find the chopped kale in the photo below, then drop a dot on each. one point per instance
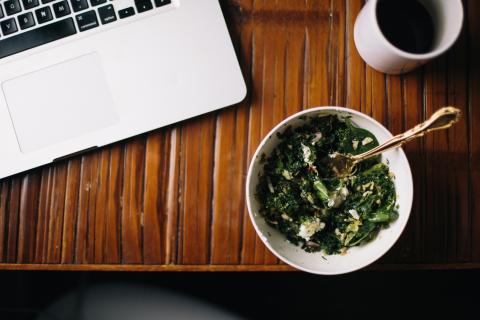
(304, 200)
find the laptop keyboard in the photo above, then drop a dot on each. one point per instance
(26, 24)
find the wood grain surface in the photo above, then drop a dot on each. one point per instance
(173, 199)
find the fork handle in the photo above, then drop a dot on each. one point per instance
(442, 119)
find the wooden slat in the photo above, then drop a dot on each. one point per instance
(43, 216)
(84, 242)
(198, 150)
(250, 240)
(412, 98)
(318, 54)
(473, 114)
(354, 65)
(228, 207)
(155, 196)
(294, 56)
(71, 211)
(101, 207)
(173, 199)
(230, 169)
(13, 218)
(27, 212)
(458, 157)
(114, 208)
(437, 147)
(376, 104)
(3, 217)
(131, 200)
(56, 210)
(336, 57)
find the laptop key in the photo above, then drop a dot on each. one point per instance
(46, 1)
(97, 2)
(8, 26)
(87, 20)
(26, 20)
(29, 4)
(12, 7)
(127, 12)
(36, 37)
(1, 12)
(43, 14)
(159, 3)
(143, 5)
(79, 5)
(61, 9)
(107, 14)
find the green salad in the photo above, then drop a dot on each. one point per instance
(302, 198)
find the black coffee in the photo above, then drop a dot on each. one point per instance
(406, 24)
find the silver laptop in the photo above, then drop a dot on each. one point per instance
(80, 74)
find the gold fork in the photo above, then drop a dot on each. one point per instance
(343, 164)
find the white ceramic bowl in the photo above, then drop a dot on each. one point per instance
(356, 257)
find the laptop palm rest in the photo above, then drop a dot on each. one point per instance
(71, 99)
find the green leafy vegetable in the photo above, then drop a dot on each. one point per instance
(303, 199)
(322, 191)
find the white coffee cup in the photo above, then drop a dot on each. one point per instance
(380, 54)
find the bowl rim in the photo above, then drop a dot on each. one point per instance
(259, 149)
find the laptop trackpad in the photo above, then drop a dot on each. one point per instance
(59, 103)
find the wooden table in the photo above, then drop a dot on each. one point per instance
(173, 199)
